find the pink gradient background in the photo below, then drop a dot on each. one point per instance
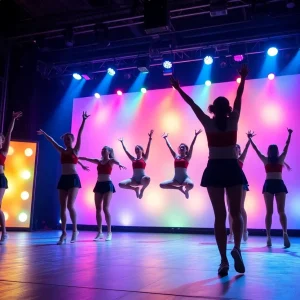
(269, 107)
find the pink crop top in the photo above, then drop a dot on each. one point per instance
(272, 168)
(104, 169)
(181, 163)
(68, 158)
(139, 164)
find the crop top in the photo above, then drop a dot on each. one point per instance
(104, 168)
(272, 168)
(181, 163)
(68, 158)
(139, 164)
(2, 159)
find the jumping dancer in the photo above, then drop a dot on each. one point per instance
(181, 180)
(138, 164)
(223, 171)
(69, 182)
(241, 158)
(4, 147)
(274, 185)
(104, 188)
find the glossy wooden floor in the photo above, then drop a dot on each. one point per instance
(143, 266)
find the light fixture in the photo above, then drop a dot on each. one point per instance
(271, 76)
(238, 58)
(272, 51)
(143, 90)
(97, 95)
(208, 83)
(111, 71)
(119, 93)
(208, 60)
(77, 76)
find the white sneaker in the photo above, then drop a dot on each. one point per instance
(74, 236)
(99, 236)
(230, 239)
(109, 237)
(245, 236)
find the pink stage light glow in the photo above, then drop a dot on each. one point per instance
(268, 109)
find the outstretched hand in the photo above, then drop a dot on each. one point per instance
(17, 114)
(150, 133)
(122, 167)
(121, 140)
(244, 71)
(288, 167)
(290, 130)
(250, 134)
(85, 168)
(40, 132)
(165, 135)
(85, 115)
(197, 132)
(174, 82)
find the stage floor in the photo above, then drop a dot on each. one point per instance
(143, 266)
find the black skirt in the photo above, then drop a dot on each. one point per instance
(223, 173)
(3, 182)
(103, 187)
(67, 182)
(274, 186)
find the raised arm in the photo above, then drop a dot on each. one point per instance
(189, 155)
(115, 162)
(78, 141)
(238, 99)
(148, 145)
(286, 147)
(131, 157)
(51, 140)
(91, 160)
(196, 109)
(15, 116)
(262, 157)
(165, 136)
(244, 153)
(85, 168)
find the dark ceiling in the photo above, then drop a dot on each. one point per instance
(114, 29)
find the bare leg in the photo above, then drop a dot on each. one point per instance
(98, 204)
(188, 184)
(172, 185)
(2, 217)
(280, 200)
(63, 200)
(244, 213)
(106, 201)
(129, 184)
(229, 217)
(145, 181)
(234, 195)
(268, 220)
(72, 194)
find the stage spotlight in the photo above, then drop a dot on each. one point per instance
(167, 64)
(238, 80)
(208, 83)
(272, 51)
(25, 175)
(271, 76)
(238, 58)
(77, 76)
(5, 215)
(24, 195)
(97, 95)
(111, 71)
(208, 60)
(28, 152)
(167, 67)
(119, 93)
(10, 151)
(143, 90)
(23, 217)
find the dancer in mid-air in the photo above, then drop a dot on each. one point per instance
(69, 182)
(139, 177)
(241, 158)
(223, 172)
(4, 147)
(181, 180)
(274, 185)
(104, 188)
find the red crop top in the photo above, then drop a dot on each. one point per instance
(139, 164)
(68, 158)
(221, 139)
(2, 159)
(272, 168)
(240, 163)
(104, 169)
(181, 163)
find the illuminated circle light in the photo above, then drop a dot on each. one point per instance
(25, 174)
(272, 51)
(23, 217)
(10, 151)
(5, 215)
(238, 58)
(24, 195)
(271, 76)
(208, 60)
(208, 83)
(143, 90)
(119, 93)
(238, 80)
(28, 152)
(111, 71)
(97, 95)
(167, 64)
(77, 76)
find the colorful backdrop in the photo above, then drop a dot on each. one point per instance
(269, 107)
